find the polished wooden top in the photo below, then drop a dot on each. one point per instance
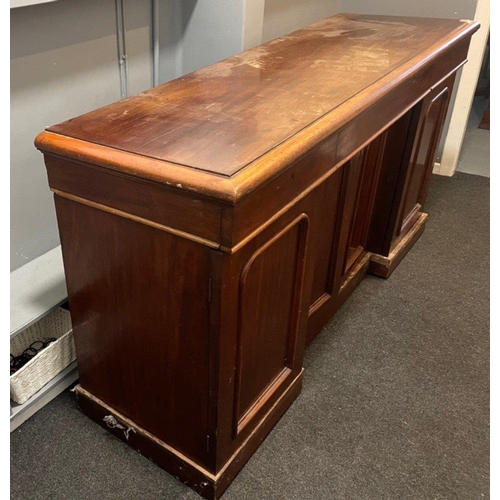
(222, 118)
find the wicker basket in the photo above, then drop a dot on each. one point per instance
(50, 361)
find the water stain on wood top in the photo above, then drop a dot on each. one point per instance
(222, 117)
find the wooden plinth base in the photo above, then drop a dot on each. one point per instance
(210, 486)
(384, 266)
(355, 277)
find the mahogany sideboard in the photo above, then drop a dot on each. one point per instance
(211, 226)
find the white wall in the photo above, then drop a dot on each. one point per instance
(212, 31)
(283, 16)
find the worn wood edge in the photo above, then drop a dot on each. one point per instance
(411, 218)
(354, 278)
(248, 416)
(80, 391)
(380, 265)
(236, 461)
(232, 189)
(358, 270)
(383, 266)
(178, 177)
(136, 218)
(289, 389)
(318, 303)
(445, 77)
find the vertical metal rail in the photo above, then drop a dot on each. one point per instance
(155, 40)
(122, 50)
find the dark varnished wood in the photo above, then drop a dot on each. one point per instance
(432, 118)
(206, 484)
(252, 321)
(342, 222)
(368, 175)
(485, 120)
(402, 190)
(270, 291)
(194, 216)
(393, 171)
(383, 266)
(213, 225)
(325, 216)
(139, 299)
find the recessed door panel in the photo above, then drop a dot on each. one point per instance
(270, 290)
(324, 221)
(423, 155)
(363, 179)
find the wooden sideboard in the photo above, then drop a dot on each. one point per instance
(211, 226)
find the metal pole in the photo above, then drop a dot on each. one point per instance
(155, 37)
(122, 51)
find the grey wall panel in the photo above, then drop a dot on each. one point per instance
(63, 63)
(138, 39)
(451, 9)
(212, 30)
(283, 16)
(253, 23)
(196, 33)
(171, 30)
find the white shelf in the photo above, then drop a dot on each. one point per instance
(36, 289)
(21, 413)
(24, 3)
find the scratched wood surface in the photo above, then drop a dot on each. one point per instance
(223, 117)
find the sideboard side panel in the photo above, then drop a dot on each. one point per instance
(139, 306)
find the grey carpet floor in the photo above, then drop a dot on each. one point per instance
(395, 403)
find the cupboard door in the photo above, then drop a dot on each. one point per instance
(350, 246)
(362, 174)
(324, 230)
(270, 292)
(393, 166)
(432, 119)
(325, 224)
(340, 222)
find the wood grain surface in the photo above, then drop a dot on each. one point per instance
(223, 117)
